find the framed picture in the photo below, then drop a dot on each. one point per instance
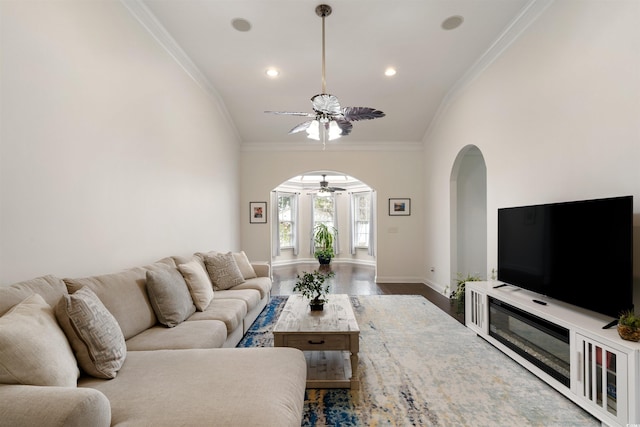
(258, 212)
(399, 207)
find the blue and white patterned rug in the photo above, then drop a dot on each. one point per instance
(420, 367)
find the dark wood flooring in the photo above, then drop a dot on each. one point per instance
(353, 279)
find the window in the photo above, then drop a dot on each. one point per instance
(286, 219)
(323, 209)
(361, 219)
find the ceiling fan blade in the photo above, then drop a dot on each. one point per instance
(345, 126)
(361, 113)
(301, 127)
(333, 189)
(326, 104)
(288, 113)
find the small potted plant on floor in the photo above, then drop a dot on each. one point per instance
(457, 296)
(629, 326)
(323, 236)
(312, 286)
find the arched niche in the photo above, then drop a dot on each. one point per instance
(468, 198)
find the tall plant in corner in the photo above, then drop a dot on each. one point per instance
(323, 237)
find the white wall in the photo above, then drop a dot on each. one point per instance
(556, 118)
(391, 173)
(110, 155)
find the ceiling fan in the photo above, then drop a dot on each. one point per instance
(329, 119)
(325, 188)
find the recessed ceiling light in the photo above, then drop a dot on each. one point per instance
(241, 24)
(452, 22)
(272, 72)
(390, 72)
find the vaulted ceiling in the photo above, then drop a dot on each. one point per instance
(363, 39)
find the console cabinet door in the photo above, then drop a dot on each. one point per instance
(602, 378)
(476, 315)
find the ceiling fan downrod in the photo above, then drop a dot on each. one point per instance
(323, 10)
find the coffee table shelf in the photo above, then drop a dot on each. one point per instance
(329, 338)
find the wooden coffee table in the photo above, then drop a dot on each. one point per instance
(329, 338)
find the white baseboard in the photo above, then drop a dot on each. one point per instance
(313, 260)
(436, 287)
(398, 279)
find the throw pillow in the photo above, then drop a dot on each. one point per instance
(33, 348)
(94, 333)
(169, 296)
(244, 265)
(223, 270)
(199, 284)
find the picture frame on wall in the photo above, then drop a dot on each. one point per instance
(400, 207)
(258, 212)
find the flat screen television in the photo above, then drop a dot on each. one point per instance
(577, 252)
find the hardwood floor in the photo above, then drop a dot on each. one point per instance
(353, 279)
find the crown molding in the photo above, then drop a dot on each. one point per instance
(527, 16)
(148, 20)
(341, 145)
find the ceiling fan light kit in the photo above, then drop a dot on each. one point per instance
(329, 121)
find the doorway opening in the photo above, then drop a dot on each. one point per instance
(343, 202)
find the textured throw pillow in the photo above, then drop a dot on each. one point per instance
(198, 282)
(94, 333)
(223, 270)
(33, 348)
(244, 265)
(169, 296)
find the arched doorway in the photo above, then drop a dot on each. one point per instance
(468, 198)
(304, 189)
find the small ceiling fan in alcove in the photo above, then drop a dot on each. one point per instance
(329, 120)
(325, 187)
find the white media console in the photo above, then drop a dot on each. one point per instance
(563, 345)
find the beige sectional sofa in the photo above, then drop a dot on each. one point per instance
(145, 347)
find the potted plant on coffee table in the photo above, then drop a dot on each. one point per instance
(312, 286)
(323, 236)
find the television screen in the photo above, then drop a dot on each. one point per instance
(578, 252)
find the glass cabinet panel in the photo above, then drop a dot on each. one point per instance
(602, 377)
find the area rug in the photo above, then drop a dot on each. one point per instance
(420, 367)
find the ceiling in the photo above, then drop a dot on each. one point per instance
(363, 38)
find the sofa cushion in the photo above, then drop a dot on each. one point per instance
(251, 297)
(94, 333)
(49, 287)
(261, 284)
(244, 265)
(198, 282)
(229, 311)
(125, 295)
(33, 348)
(222, 387)
(223, 270)
(169, 296)
(202, 334)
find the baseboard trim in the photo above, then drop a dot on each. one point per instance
(398, 279)
(436, 287)
(313, 260)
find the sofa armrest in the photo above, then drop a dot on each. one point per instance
(28, 405)
(262, 269)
